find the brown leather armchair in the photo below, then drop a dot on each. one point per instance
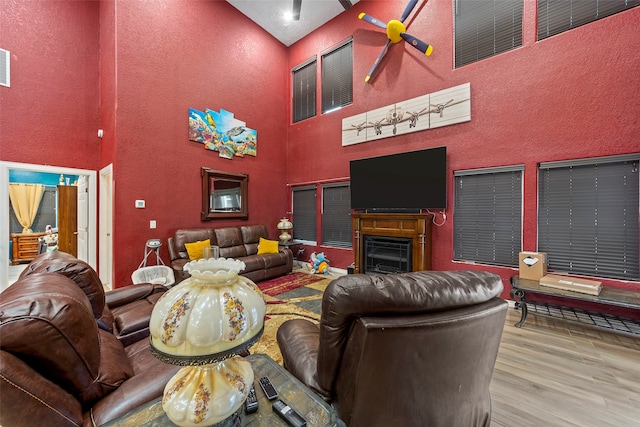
(124, 311)
(58, 368)
(412, 349)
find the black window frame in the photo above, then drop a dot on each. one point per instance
(487, 217)
(304, 87)
(304, 213)
(485, 28)
(337, 225)
(588, 216)
(337, 77)
(558, 16)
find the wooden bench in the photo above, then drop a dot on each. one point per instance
(524, 292)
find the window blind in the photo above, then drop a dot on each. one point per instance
(304, 213)
(487, 223)
(484, 28)
(336, 215)
(557, 16)
(337, 77)
(304, 90)
(588, 216)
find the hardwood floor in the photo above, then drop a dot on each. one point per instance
(553, 373)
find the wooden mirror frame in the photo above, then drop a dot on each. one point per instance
(209, 176)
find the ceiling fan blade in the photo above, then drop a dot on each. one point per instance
(423, 47)
(297, 4)
(372, 20)
(378, 59)
(346, 4)
(408, 9)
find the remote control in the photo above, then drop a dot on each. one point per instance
(251, 404)
(290, 416)
(268, 388)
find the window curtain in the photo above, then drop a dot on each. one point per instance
(25, 199)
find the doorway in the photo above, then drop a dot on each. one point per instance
(106, 227)
(88, 251)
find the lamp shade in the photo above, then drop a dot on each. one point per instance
(208, 317)
(205, 395)
(285, 224)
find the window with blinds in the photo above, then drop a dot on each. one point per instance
(487, 222)
(337, 77)
(304, 90)
(484, 28)
(557, 16)
(304, 213)
(588, 216)
(336, 215)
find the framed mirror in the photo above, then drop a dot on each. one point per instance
(224, 195)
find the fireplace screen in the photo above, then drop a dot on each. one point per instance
(387, 254)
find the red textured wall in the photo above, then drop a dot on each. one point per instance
(175, 56)
(108, 82)
(573, 95)
(49, 115)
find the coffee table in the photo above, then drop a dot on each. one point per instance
(291, 391)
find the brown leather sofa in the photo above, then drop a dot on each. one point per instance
(235, 242)
(59, 368)
(124, 311)
(413, 349)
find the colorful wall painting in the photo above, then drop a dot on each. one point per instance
(442, 108)
(222, 132)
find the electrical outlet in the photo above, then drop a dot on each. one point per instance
(152, 223)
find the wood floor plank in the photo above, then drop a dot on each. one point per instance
(554, 373)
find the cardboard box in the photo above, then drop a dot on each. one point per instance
(584, 286)
(533, 265)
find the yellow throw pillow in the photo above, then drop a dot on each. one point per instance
(267, 246)
(195, 249)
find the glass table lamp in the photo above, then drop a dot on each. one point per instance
(203, 324)
(284, 226)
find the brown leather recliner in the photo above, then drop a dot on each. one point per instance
(124, 311)
(412, 349)
(58, 368)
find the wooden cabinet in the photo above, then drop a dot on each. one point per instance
(25, 246)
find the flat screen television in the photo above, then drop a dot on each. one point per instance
(400, 182)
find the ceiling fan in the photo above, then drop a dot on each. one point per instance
(297, 4)
(396, 31)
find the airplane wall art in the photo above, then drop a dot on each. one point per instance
(442, 108)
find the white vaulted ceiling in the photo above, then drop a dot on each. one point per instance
(269, 14)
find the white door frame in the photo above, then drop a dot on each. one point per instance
(4, 207)
(105, 260)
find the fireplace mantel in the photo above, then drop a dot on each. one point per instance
(414, 226)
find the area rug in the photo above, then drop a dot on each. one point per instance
(294, 296)
(287, 283)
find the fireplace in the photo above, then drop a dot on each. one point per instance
(402, 242)
(387, 254)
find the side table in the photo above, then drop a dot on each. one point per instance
(291, 391)
(296, 247)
